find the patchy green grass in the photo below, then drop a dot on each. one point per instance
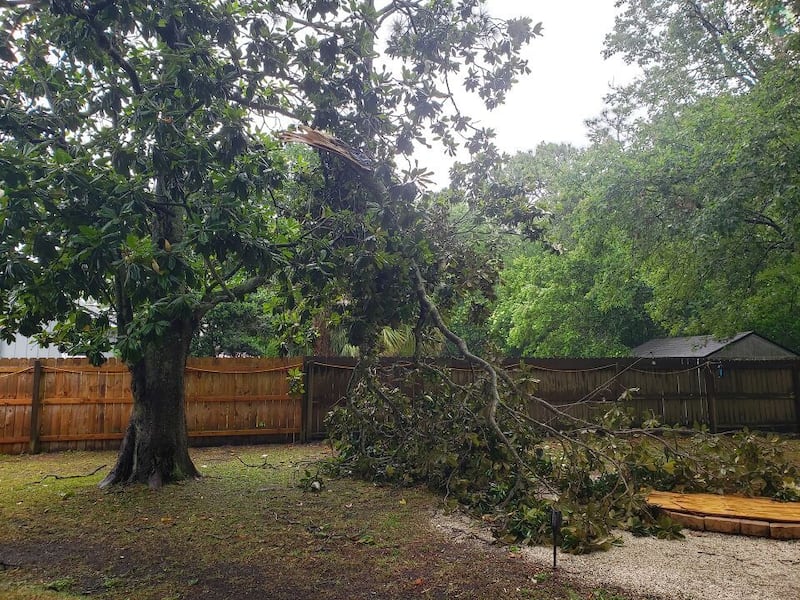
(256, 531)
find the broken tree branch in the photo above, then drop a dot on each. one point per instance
(56, 476)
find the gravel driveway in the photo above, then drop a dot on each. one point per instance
(704, 566)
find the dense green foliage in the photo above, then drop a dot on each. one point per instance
(683, 216)
(577, 295)
(720, 188)
(707, 185)
(138, 172)
(256, 326)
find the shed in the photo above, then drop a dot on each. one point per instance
(743, 346)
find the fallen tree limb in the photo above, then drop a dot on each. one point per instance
(56, 476)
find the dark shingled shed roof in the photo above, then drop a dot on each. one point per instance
(698, 346)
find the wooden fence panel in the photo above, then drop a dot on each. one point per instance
(325, 387)
(674, 396)
(242, 397)
(576, 391)
(756, 394)
(760, 394)
(80, 411)
(16, 383)
(85, 407)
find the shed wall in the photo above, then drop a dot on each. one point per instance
(753, 346)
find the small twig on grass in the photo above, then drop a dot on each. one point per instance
(311, 462)
(55, 476)
(263, 465)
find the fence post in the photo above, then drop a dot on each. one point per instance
(796, 391)
(35, 445)
(308, 400)
(711, 395)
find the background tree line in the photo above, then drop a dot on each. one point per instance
(682, 216)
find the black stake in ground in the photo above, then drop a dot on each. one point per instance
(555, 523)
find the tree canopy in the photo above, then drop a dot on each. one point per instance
(681, 217)
(137, 161)
(142, 171)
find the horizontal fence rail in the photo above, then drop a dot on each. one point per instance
(63, 404)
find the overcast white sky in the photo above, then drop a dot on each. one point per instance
(568, 79)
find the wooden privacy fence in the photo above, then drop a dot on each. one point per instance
(722, 395)
(67, 404)
(59, 404)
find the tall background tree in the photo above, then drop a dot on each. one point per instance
(577, 293)
(140, 171)
(682, 216)
(707, 183)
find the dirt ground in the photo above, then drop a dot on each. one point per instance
(249, 529)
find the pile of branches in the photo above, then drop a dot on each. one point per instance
(428, 424)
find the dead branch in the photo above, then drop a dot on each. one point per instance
(263, 465)
(56, 476)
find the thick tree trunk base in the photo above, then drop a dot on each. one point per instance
(153, 464)
(155, 449)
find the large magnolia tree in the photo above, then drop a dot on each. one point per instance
(143, 182)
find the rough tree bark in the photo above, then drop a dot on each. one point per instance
(155, 447)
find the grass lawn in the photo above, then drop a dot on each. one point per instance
(242, 532)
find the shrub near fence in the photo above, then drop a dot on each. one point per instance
(61, 404)
(67, 404)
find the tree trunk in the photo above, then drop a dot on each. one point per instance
(155, 449)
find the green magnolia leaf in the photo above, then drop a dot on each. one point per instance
(61, 156)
